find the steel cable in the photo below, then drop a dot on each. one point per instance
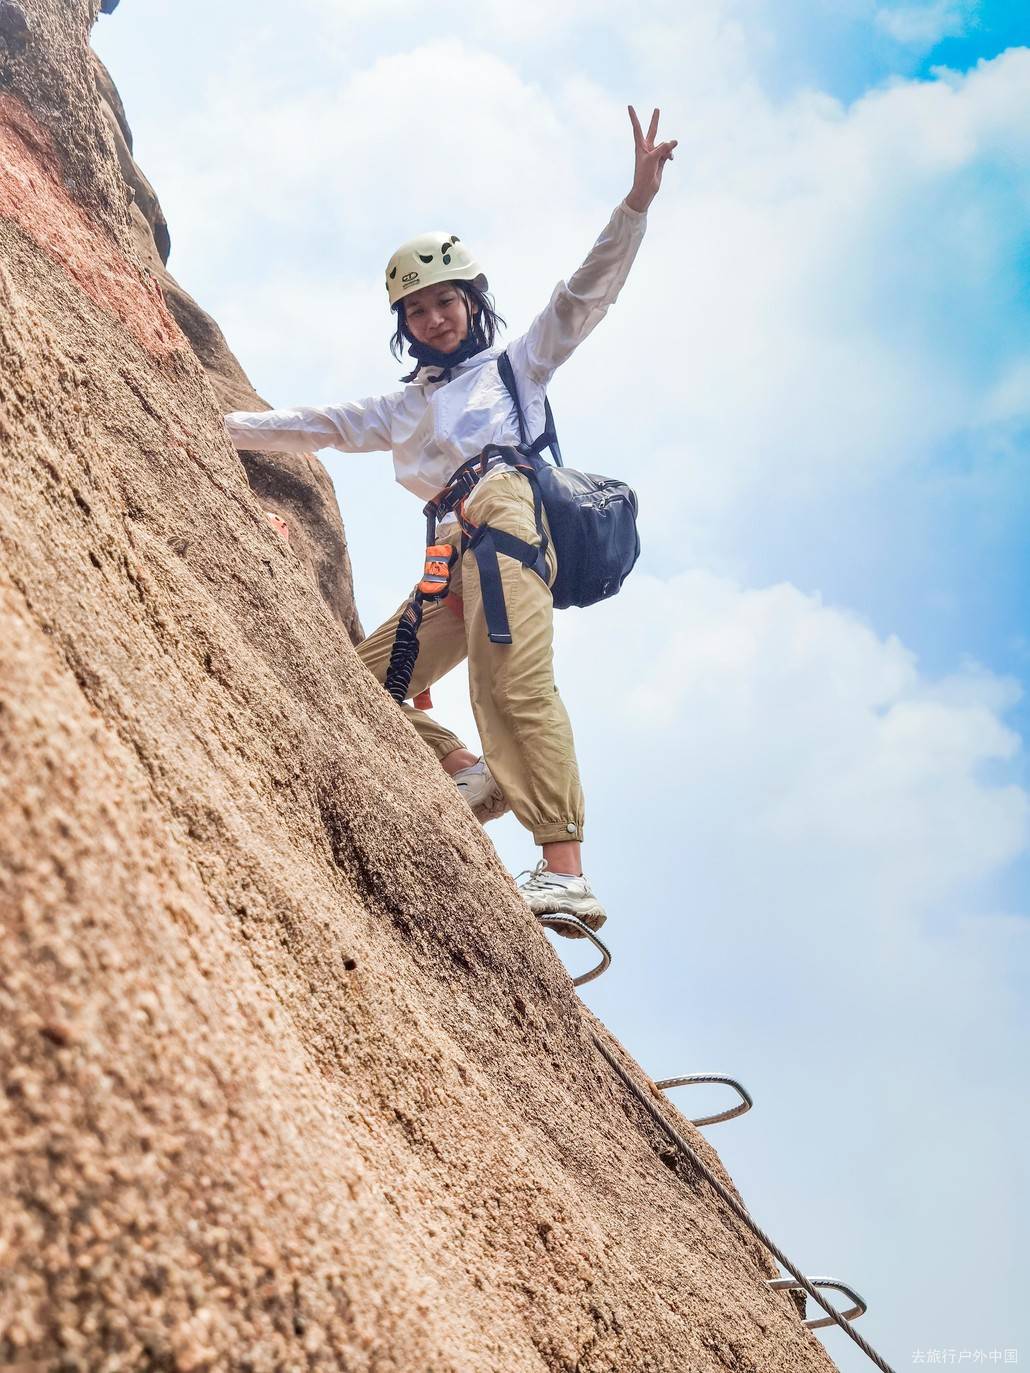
(737, 1209)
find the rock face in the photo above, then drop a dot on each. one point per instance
(291, 1078)
(295, 489)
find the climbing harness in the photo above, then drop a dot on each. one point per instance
(592, 520)
(802, 1283)
(570, 927)
(692, 1079)
(485, 544)
(434, 585)
(789, 1285)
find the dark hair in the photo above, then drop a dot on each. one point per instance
(485, 320)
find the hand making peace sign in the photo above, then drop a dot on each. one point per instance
(651, 159)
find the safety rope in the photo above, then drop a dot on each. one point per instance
(405, 650)
(735, 1206)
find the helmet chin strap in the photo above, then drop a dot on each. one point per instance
(426, 356)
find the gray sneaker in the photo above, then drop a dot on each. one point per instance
(479, 788)
(544, 896)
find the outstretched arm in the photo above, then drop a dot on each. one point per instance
(579, 304)
(353, 427)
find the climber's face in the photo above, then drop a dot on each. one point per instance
(437, 316)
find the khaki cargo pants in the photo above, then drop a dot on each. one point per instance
(523, 725)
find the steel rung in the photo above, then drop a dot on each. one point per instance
(859, 1309)
(691, 1079)
(735, 1205)
(563, 923)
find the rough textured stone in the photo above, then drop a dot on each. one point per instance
(143, 194)
(14, 28)
(291, 1078)
(295, 486)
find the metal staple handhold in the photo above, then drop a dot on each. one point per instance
(859, 1309)
(567, 922)
(744, 1105)
(727, 1197)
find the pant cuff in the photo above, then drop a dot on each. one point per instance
(567, 833)
(443, 747)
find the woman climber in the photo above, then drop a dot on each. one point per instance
(454, 405)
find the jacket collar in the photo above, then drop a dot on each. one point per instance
(470, 364)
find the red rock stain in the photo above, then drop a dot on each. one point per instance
(33, 196)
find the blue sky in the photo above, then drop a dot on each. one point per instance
(849, 46)
(818, 377)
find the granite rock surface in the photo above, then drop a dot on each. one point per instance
(291, 1078)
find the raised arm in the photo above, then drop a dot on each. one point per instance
(579, 304)
(361, 426)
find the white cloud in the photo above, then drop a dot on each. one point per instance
(404, 23)
(830, 732)
(452, 128)
(825, 295)
(925, 25)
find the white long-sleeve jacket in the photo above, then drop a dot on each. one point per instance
(433, 428)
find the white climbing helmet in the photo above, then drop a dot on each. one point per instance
(430, 258)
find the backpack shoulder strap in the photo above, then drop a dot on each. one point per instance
(549, 438)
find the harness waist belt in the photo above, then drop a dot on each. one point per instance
(486, 543)
(460, 486)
